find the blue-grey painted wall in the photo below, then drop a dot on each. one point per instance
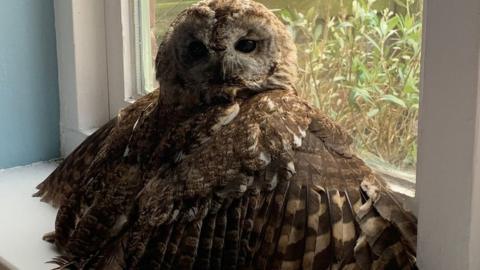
(29, 103)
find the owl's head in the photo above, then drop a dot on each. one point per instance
(222, 49)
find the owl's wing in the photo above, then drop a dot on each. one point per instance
(276, 188)
(338, 213)
(108, 142)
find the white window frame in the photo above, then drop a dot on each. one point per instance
(128, 52)
(97, 65)
(448, 168)
(121, 54)
(97, 78)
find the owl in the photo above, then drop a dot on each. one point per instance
(225, 166)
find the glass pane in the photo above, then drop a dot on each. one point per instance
(359, 63)
(144, 20)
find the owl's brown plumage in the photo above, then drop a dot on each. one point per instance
(225, 167)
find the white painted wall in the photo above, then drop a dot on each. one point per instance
(448, 174)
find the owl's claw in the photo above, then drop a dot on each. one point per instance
(49, 237)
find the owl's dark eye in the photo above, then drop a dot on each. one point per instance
(197, 49)
(246, 45)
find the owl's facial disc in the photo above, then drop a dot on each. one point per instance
(220, 48)
(225, 57)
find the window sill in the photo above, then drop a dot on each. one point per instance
(24, 219)
(402, 183)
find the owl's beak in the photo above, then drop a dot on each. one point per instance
(221, 74)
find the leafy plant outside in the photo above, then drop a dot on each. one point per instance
(362, 68)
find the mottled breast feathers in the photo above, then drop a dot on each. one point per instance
(263, 183)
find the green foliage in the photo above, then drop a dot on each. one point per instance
(362, 67)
